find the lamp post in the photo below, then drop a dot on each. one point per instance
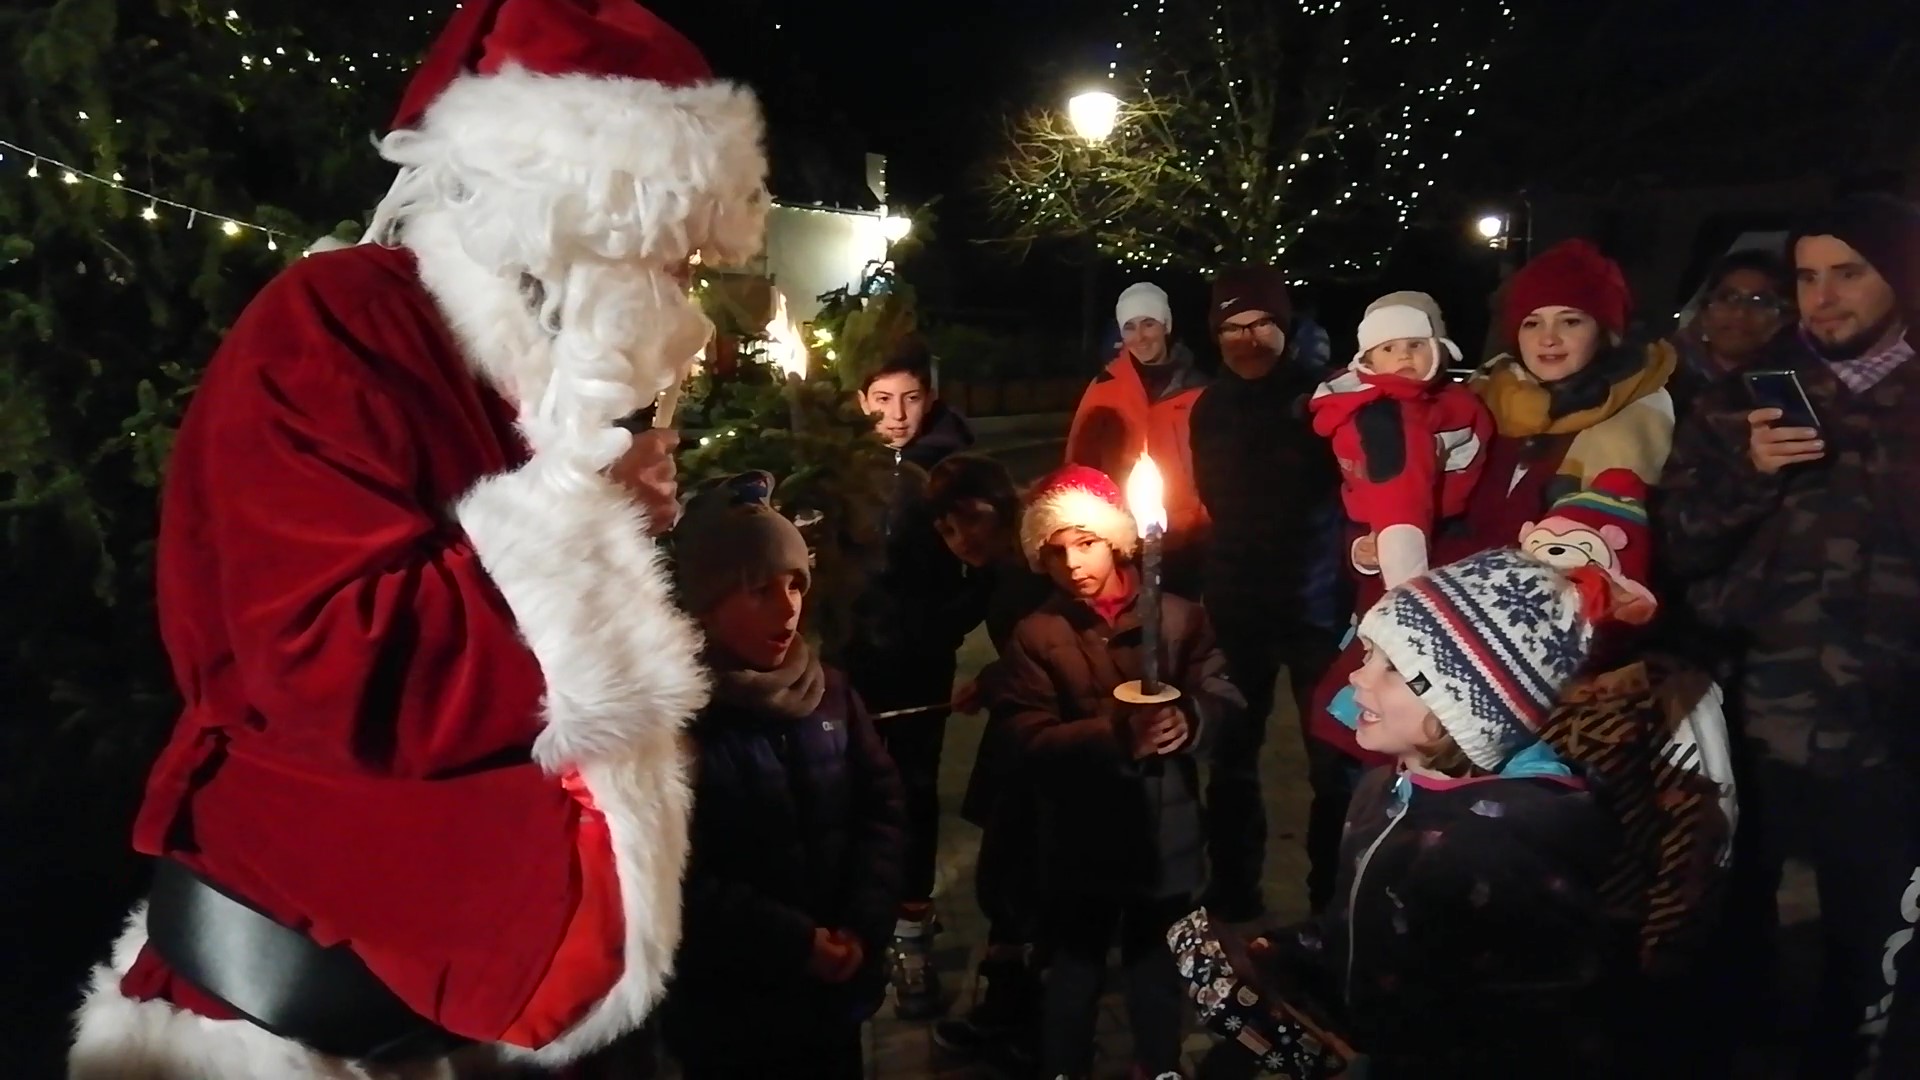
(1094, 114)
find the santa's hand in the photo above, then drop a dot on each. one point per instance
(647, 472)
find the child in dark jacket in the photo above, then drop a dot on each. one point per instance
(794, 872)
(976, 512)
(1122, 847)
(1467, 937)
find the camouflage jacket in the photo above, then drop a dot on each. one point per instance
(1816, 569)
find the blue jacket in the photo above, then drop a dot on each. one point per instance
(797, 825)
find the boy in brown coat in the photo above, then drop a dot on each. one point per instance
(1121, 835)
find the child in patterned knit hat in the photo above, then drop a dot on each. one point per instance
(1467, 935)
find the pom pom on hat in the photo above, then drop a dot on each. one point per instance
(1570, 274)
(1603, 525)
(1076, 497)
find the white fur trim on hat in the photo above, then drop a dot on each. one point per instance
(1075, 508)
(1143, 299)
(692, 157)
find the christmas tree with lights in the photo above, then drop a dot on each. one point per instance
(786, 403)
(1303, 134)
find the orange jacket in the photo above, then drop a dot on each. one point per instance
(1115, 422)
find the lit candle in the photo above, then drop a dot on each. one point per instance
(1146, 498)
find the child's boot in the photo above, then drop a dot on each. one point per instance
(916, 985)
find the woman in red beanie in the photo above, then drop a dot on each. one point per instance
(1571, 401)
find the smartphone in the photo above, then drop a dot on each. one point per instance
(1782, 390)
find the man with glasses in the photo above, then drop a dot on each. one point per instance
(1267, 481)
(1747, 307)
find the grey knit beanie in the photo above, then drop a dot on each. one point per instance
(731, 537)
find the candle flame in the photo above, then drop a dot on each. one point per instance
(785, 345)
(1146, 495)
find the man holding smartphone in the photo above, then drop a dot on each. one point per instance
(1792, 511)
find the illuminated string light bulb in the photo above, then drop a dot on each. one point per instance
(230, 228)
(151, 213)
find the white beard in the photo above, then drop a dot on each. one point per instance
(598, 341)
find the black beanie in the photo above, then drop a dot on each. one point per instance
(1884, 229)
(1249, 288)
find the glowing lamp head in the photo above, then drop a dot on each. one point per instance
(1147, 496)
(1491, 227)
(895, 227)
(1093, 115)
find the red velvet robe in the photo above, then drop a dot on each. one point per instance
(374, 608)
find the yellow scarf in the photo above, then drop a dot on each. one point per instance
(1612, 434)
(1520, 404)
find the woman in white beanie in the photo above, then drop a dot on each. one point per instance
(1140, 405)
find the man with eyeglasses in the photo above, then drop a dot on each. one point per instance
(1746, 308)
(1805, 538)
(1268, 482)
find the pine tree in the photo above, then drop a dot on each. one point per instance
(1303, 134)
(836, 477)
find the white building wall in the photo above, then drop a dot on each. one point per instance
(811, 252)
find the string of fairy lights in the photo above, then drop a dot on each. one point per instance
(343, 72)
(1352, 162)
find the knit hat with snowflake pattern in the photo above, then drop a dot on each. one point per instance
(1488, 643)
(1076, 497)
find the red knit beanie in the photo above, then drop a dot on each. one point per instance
(1572, 274)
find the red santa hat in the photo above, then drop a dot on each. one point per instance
(1570, 274)
(1611, 512)
(1076, 497)
(596, 87)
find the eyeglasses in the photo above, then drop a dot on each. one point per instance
(1758, 302)
(1243, 329)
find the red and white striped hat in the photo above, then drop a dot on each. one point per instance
(1076, 497)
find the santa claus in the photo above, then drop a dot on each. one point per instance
(425, 801)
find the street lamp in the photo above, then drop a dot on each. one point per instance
(1493, 229)
(1093, 115)
(895, 227)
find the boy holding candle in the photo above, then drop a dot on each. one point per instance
(1122, 849)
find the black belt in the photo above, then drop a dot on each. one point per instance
(278, 978)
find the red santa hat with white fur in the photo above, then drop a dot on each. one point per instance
(1076, 497)
(596, 87)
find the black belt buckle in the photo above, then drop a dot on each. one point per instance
(322, 997)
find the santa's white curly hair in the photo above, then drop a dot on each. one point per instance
(553, 220)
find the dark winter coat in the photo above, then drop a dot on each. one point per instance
(797, 825)
(1015, 592)
(1112, 826)
(921, 601)
(1817, 568)
(1263, 476)
(1466, 932)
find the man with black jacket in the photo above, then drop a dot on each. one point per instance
(1265, 480)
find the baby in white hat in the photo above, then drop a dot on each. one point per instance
(1411, 443)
